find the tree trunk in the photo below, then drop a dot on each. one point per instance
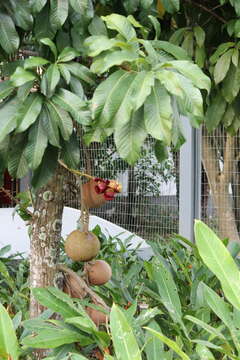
(45, 237)
(219, 181)
(236, 192)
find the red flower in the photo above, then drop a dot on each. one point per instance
(107, 187)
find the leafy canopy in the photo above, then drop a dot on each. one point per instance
(76, 64)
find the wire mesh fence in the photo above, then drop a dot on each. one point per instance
(220, 199)
(148, 203)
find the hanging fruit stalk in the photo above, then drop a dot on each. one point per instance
(96, 192)
(83, 245)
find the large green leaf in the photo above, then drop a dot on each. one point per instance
(167, 291)
(37, 143)
(35, 61)
(221, 309)
(22, 14)
(121, 24)
(200, 35)
(135, 95)
(73, 104)
(177, 37)
(67, 54)
(50, 126)
(71, 152)
(222, 66)
(58, 13)
(8, 339)
(125, 345)
(48, 42)
(81, 72)
(156, 25)
(82, 322)
(191, 71)
(29, 111)
(76, 87)
(77, 357)
(170, 81)
(8, 111)
(42, 25)
(37, 5)
(171, 6)
(215, 112)
(191, 102)
(46, 169)
(178, 138)
(220, 50)
(170, 343)
(158, 114)
(104, 62)
(130, 137)
(6, 87)
(80, 6)
(231, 84)
(97, 134)
(218, 259)
(109, 94)
(52, 338)
(9, 39)
(210, 329)
(204, 352)
(21, 76)
(154, 346)
(178, 52)
(126, 93)
(98, 43)
(160, 151)
(97, 26)
(57, 301)
(24, 90)
(17, 162)
(50, 80)
(62, 118)
(64, 72)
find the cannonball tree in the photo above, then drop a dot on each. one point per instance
(91, 65)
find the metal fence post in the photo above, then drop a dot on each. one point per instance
(190, 180)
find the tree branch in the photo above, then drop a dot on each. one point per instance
(210, 11)
(14, 199)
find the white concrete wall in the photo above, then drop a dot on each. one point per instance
(14, 231)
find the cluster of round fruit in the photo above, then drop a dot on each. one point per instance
(84, 246)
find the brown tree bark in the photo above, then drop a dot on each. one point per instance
(219, 181)
(45, 237)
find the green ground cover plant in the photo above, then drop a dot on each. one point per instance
(182, 303)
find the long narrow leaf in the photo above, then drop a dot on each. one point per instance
(170, 343)
(9, 38)
(216, 256)
(8, 339)
(124, 341)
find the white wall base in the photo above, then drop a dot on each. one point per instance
(14, 231)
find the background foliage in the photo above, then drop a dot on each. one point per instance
(69, 63)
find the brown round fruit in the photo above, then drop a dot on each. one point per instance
(82, 245)
(99, 272)
(97, 316)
